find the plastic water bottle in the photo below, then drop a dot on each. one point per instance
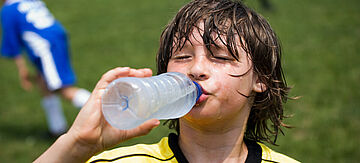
(130, 101)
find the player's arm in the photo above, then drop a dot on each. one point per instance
(11, 43)
(90, 133)
(24, 76)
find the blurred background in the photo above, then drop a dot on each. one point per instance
(321, 57)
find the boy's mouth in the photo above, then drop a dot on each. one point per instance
(202, 97)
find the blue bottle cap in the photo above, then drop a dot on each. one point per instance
(199, 91)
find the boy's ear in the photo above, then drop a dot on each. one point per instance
(259, 86)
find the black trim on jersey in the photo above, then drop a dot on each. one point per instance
(174, 146)
(254, 150)
(269, 161)
(132, 155)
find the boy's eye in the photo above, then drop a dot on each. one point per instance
(181, 57)
(221, 54)
(222, 58)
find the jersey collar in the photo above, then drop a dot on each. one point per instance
(254, 150)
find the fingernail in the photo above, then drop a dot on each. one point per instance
(157, 122)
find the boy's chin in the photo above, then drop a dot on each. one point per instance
(199, 112)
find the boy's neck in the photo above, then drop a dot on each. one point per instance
(217, 145)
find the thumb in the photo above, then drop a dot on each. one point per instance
(144, 128)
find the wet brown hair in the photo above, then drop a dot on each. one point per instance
(234, 20)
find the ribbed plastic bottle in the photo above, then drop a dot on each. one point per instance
(130, 101)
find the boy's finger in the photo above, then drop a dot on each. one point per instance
(111, 75)
(107, 78)
(143, 129)
(138, 73)
(147, 72)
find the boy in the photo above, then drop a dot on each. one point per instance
(29, 24)
(234, 55)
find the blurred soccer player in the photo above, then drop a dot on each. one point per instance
(28, 25)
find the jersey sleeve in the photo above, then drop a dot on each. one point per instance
(11, 37)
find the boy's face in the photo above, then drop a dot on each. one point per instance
(222, 99)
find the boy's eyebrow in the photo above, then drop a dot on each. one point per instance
(182, 46)
(218, 43)
(187, 44)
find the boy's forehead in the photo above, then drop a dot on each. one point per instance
(196, 38)
(197, 33)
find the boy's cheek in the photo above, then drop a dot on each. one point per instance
(216, 85)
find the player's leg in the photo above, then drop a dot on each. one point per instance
(78, 96)
(65, 73)
(51, 104)
(41, 55)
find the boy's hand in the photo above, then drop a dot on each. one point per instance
(24, 75)
(25, 80)
(90, 133)
(90, 127)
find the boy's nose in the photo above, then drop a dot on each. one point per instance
(198, 71)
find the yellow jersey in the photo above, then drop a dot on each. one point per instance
(168, 151)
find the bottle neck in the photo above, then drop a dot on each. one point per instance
(198, 90)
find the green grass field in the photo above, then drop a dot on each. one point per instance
(321, 56)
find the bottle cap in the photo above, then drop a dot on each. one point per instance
(199, 91)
